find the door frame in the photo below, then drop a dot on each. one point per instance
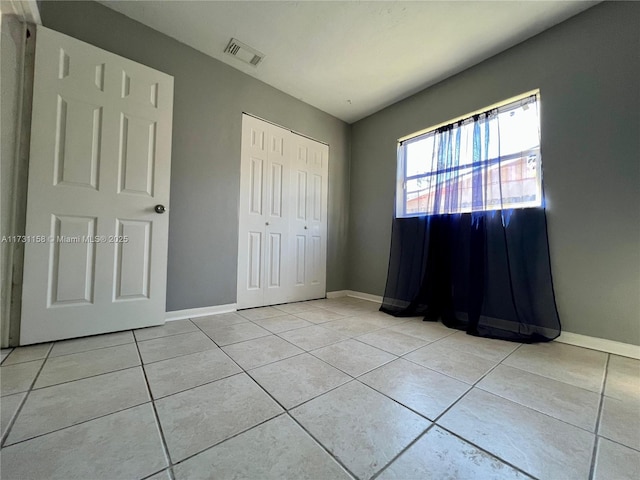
(17, 166)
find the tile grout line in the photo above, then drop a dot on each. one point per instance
(237, 434)
(472, 386)
(594, 452)
(167, 469)
(24, 400)
(434, 424)
(163, 439)
(169, 335)
(307, 351)
(410, 444)
(410, 408)
(84, 421)
(480, 449)
(242, 370)
(11, 349)
(536, 410)
(395, 401)
(142, 362)
(141, 365)
(493, 455)
(246, 372)
(320, 444)
(87, 377)
(76, 424)
(269, 363)
(351, 379)
(96, 348)
(617, 442)
(285, 411)
(550, 378)
(475, 385)
(555, 380)
(442, 373)
(283, 331)
(401, 355)
(355, 377)
(196, 386)
(258, 338)
(24, 361)
(402, 451)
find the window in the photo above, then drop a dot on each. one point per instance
(486, 161)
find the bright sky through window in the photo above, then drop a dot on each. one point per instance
(484, 162)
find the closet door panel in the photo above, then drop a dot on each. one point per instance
(277, 216)
(253, 199)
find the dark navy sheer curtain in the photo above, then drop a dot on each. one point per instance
(474, 273)
(485, 270)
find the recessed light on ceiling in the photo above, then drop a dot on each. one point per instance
(244, 52)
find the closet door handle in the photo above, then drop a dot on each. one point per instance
(305, 227)
(266, 223)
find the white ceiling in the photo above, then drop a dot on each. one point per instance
(352, 58)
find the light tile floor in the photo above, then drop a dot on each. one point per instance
(327, 389)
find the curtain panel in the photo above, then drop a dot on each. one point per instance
(471, 259)
(474, 273)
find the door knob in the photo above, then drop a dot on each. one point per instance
(160, 209)
(305, 227)
(267, 223)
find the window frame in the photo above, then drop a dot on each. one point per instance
(402, 143)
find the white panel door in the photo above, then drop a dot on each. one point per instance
(308, 226)
(96, 252)
(264, 211)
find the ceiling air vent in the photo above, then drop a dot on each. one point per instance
(243, 52)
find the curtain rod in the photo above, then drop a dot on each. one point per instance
(285, 128)
(522, 96)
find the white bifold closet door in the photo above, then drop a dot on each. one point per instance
(283, 216)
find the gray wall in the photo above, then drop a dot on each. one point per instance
(588, 71)
(205, 173)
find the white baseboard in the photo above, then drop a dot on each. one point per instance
(365, 296)
(338, 294)
(601, 344)
(200, 312)
(354, 294)
(594, 343)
